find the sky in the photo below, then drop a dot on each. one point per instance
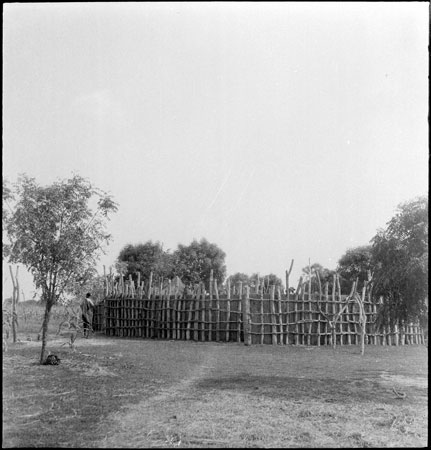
(277, 131)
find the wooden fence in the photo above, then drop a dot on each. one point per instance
(239, 316)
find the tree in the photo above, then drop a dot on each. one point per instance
(193, 263)
(95, 285)
(400, 259)
(58, 235)
(265, 281)
(271, 280)
(325, 275)
(354, 264)
(7, 197)
(238, 277)
(146, 258)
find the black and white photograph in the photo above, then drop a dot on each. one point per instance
(215, 224)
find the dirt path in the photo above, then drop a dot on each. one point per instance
(146, 393)
(155, 420)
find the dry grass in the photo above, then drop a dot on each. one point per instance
(146, 393)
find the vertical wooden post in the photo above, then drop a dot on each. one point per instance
(280, 317)
(239, 311)
(302, 327)
(390, 332)
(131, 284)
(246, 316)
(174, 311)
(309, 314)
(138, 284)
(203, 303)
(159, 311)
(180, 317)
(262, 318)
(296, 314)
(150, 285)
(272, 309)
(105, 282)
(154, 313)
(227, 328)
(287, 280)
(210, 318)
(218, 325)
(189, 318)
(169, 324)
(196, 314)
(228, 310)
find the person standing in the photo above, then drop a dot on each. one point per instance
(87, 307)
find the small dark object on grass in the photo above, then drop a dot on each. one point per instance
(52, 360)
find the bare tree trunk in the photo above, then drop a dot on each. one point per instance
(15, 299)
(48, 306)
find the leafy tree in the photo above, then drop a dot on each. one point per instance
(7, 197)
(272, 280)
(95, 285)
(193, 263)
(325, 275)
(400, 259)
(266, 281)
(238, 277)
(355, 263)
(146, 258)
(58, 235)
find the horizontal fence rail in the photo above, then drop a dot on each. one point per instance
(239, 316)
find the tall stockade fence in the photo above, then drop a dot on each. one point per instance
(236, 314)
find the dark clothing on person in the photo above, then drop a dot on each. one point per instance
(87, 307)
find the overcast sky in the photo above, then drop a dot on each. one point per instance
(275, 130)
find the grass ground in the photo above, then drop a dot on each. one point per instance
(146, 393)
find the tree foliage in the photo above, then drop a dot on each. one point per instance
(58, 234)
(146, 258)
(265, 281)
(7, 197)
(272, 280)
(400, 260)
(325, 275)
(193, 263)
(354, 264)
(238, 277)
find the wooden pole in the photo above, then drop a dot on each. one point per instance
(296, 315)
(246, 316)
(272, 308)
(218, 309)
(203, 302)
(210, 326)
(262, 319)
(239, 311)
(280, 318)
(169, 319)
(150, 285)
(189, 319)
(196, 314)
(227, 317)
(287, 279)
(302, 326)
